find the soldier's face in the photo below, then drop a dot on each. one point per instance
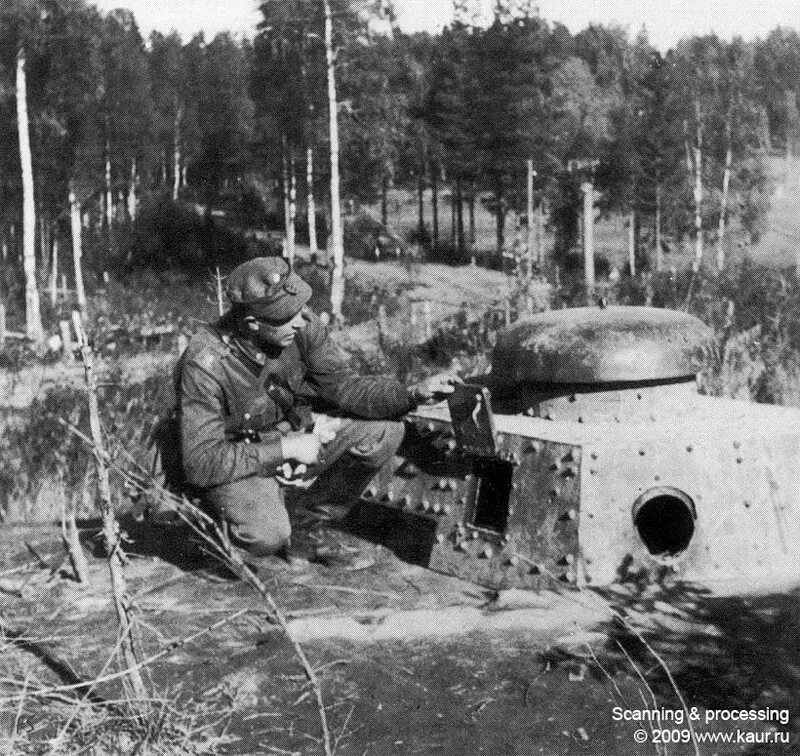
(274, 334)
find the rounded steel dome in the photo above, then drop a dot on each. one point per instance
(587, 345)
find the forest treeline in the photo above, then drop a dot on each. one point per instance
(515, 115)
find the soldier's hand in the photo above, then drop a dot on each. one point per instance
(301, 447)
(436, 387)
(326, 428)
(293, 478)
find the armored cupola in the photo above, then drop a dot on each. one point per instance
(599, 364)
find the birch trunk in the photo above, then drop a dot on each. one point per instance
(434, 210)
(176, 154)
(588, 237)
(726, 183)
(632, 242)
(698, 192)
(698, 214)
(109, 198)
(459, 218)
(311, 207)
(291, 235)
(421, 206)
(385, 201)
(33, 317)
(54, 274)
(659, 252)
(531, 228)
(132, 192)
(337, 232)
(77, 247)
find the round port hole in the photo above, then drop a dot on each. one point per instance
(665, 520)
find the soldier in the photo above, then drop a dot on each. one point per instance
(246, 388)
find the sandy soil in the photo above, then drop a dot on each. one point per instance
(411, 662)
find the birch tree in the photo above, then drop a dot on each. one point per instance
(33, 318)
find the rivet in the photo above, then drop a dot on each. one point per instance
(446, 509)
(569, 559)
(461, 529)
(372, 492)
(389, 496)
(510, 511)
(406, 500)
(442, 484)
(475, 535)
(488, 552)
(451, 444)
(594, 455)
(452, 485)
(689, 448)
(570, 577)
(530, 412)
(514, 485)
(425, 505)
(592, 471)
(440, 537)
(641, 452)
(462, 500)
(513, 561)
(572, 514)
(430, 427)
(247, 415)
(462, 545)
(738, 460)
(437, 508)
(554, 492)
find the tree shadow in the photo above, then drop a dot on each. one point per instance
(724, 652)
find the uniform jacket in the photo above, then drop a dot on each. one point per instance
(235, 401)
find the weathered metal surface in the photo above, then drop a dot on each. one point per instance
(592, 345)
(574, 489)
(471, 416)
(642, 403)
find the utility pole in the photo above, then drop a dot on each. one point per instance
(337, 235)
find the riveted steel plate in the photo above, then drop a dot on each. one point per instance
(586, 345)
(471, 415)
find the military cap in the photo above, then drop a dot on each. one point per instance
(266, 288)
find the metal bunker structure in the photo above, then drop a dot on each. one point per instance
(587, 456)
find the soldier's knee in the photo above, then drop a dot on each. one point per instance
(261, 539)
(379, 443)
(254, 511)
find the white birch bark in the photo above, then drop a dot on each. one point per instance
(310, 205)
(77, 247)
(337, 232)
(33, 317)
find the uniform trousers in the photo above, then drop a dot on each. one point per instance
(254, 508)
